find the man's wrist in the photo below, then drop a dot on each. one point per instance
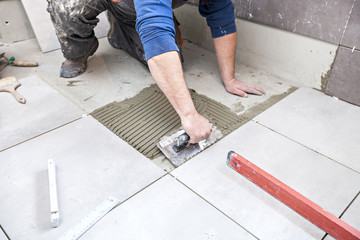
(228, 80)
(187, 114)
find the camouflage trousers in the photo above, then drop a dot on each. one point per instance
(75, 20)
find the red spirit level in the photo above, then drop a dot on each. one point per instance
(302, 205)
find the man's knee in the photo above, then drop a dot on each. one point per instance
(63, 12)
(75, 10)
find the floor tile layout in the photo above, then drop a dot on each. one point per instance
(304, 170)
(322, 123)
(45, 109)
(92, 163)
(166, 210)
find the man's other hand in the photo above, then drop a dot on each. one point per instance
(196, 126)
(242, 89)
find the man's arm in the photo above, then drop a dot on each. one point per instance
(156, 30)
(167, 71)
(225, 48)
(220, 18)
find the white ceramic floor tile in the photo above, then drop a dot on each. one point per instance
(92, 163)
(2, 235)
(44, 29)
(166, 210)
(320, 122)
(325, 182)
(44, 110)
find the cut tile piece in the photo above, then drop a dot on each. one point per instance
(166, 210)
(320, 122)
(314, 18)
(43, 28)
(45, 109)
(92, 164)
(344, 81)
(352, 32)
(302, 169)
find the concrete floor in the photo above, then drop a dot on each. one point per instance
(306, 140)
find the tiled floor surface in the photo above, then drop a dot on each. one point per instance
(113, 75)
(352, 215)
(297, 166)
(308, 140)
(167, 210)
(92, 163)
(45, 109)
(2, 235)
(322, 123)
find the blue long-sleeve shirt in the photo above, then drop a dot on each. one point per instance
(155, 24)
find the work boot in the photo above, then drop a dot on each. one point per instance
(74, 67)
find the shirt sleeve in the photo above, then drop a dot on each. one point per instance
(220, 17)
(155, 26)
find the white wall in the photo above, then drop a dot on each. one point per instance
(298, 59)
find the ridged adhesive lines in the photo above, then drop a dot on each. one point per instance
(144, 119)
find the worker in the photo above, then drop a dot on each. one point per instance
(146, 30)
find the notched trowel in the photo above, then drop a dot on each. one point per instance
(177, 148)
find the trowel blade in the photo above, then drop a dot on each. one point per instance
(167, 143)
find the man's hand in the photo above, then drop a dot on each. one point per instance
(225, 47)
(240, 88)
(196, 126)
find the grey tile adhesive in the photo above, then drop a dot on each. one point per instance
(142, 120)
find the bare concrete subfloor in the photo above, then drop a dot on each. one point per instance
(113, 75)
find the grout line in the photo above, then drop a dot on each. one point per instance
(133, 195)
(347, 22)
(307, 147)
(348, 206)
(350, 48)
(214, 206)
(40, 134)
(326, 234)
(352, 201)
(2, 229)
(117, 204)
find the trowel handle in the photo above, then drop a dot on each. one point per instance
(24, 63)
(180, 140)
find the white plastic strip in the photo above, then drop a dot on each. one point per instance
(54, 207)
(91, 219)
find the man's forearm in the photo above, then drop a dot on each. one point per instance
(225, 47)
(167, 71)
